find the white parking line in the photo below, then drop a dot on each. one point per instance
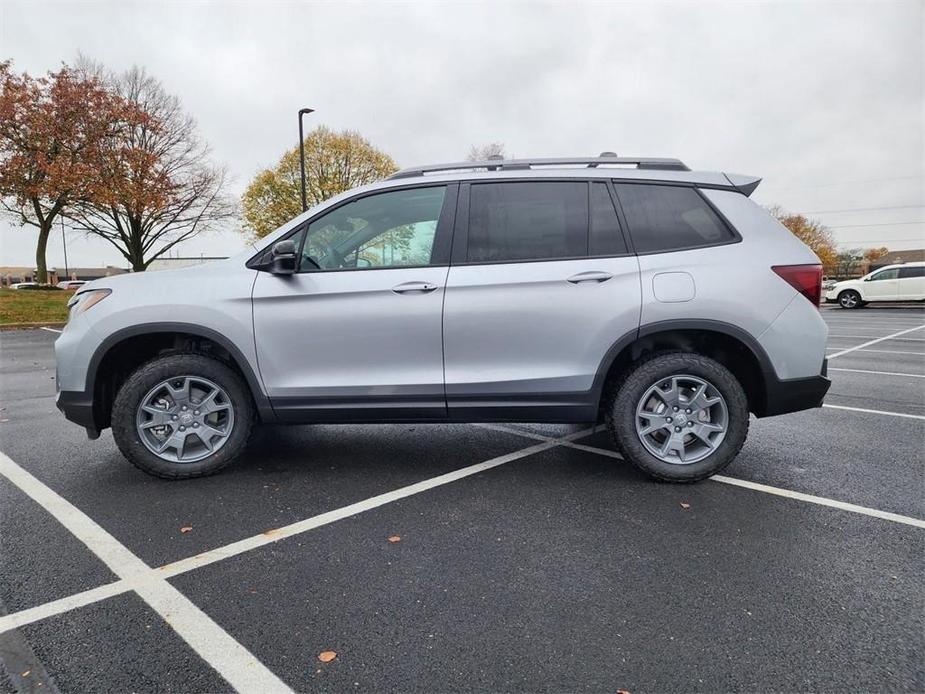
(879, 373)
(883, 412)
(145, 577)
(755, 486)
(873, 342)
(51, 330)
(878, 351)
(898, 339)
(215, 646)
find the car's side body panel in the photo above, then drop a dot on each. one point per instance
(521, 337)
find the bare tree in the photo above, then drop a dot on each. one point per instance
(483, 152)
(173, 191)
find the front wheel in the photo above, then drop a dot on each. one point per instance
(679, 417)
(850, 299)
(182, 415)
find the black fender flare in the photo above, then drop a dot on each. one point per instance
(253, 382)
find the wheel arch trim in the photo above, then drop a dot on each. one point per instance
(765, 365)
(261, 401)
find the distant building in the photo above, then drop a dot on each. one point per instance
(916, 255)
(180, 262)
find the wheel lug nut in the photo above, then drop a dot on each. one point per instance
(690, 424)
(174, 417)
(675, 409)
(688, 410)
(677, 428)
(182, 428)
(668, 419)
(195, 424)
(195, 411)
(183, 408)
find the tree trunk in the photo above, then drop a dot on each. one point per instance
(134, 246)
(40, 266)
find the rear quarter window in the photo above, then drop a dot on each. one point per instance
(667, 218)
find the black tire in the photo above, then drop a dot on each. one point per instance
(850, 299)
(150, 374)
(621, 414)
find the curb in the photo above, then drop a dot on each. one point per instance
(30, 326)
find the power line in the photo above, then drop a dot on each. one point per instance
(856, 241)
(882, 224)
(865, 209)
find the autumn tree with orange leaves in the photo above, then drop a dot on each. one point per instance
(166, 188)
(814, 234)
(57, 134)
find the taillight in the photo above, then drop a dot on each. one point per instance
(806, 279)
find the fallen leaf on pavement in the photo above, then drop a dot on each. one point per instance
(395, 538)
(186, 528)
(327, 656)
(26, 673)
(683, 505)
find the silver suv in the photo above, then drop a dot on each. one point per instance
(632, 291)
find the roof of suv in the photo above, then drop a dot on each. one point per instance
(655, 169)
(604, 166)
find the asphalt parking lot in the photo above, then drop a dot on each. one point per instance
(522, 558)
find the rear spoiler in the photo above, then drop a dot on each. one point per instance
(742, 183)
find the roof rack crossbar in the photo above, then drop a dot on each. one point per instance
(526, 164)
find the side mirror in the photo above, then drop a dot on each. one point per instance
(282, 260)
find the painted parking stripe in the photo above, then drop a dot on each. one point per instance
(883, 412)
(897, 339)
(299, 527)
(142, 580)
(215, 646)
(874, 342)
(51, 330)
(878, 351)
(767, 489)
(879, 373)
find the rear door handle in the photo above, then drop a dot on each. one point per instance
(409, 287)
(589, 276)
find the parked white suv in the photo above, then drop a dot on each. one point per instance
(660, 300)
(891, 283)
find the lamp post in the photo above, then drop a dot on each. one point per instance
(302, 112)
(64, 242)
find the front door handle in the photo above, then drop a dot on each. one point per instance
(409, 287)
(590, 276)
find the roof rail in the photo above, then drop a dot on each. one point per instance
(526, 164)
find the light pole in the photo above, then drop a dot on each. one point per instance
(302, 112)
(64, 242)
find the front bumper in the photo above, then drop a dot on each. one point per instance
(77, 407)
(795, 394)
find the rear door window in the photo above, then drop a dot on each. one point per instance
(910, 272)
(532, 220)
(606, 237)
(667, 218)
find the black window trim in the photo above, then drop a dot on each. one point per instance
(909, 268)
(443, 236)
(460, 252)
(736, 236)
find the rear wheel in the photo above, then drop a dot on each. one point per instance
(182, 415)
(679, 417)
(850, 299)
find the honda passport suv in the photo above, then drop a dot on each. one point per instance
(659, 300)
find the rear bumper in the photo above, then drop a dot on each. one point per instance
(795, 394)
(77, 407)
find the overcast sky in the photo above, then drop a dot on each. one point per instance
(822, 99)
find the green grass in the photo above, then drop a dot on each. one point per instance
(33, 306)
